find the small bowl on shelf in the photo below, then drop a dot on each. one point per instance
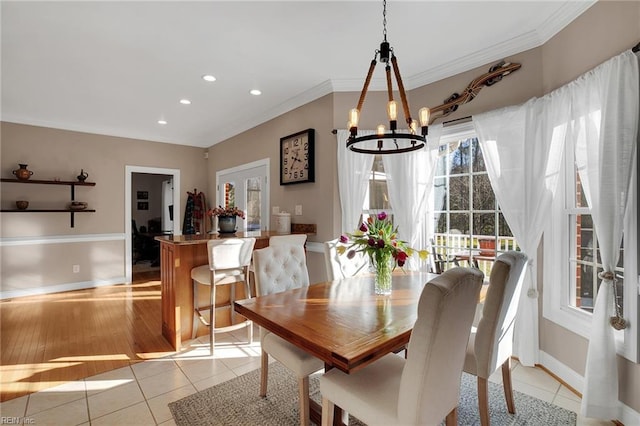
(22, 204)
(78, 205)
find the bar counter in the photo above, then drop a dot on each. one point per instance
(178, 255)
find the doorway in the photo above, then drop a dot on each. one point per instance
(152, 207)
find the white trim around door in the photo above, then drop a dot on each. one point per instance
(129, 170)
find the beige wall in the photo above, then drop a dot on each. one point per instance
(263, 141)
(52, 153)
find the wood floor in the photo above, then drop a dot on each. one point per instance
(51, 339)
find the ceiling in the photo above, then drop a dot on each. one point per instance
(116, 68)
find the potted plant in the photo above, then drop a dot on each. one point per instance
(377, 237)
(226, 218)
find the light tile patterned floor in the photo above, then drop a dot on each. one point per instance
(139, 395)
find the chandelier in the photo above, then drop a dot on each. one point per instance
(391, 140)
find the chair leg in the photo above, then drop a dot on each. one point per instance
(452, 418)
(508, 387)
(327, 412)
(212, 315)
(264, 373)
(196, 319)
(303, 395)
(483, 401)
(249, 323)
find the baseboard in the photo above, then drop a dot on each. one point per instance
(576, 381)
(10, 294)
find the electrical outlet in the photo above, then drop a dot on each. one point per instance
(275, 210)
(298, 209)
(76, 269)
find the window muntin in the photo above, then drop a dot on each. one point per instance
(466, 211)
(584, 261)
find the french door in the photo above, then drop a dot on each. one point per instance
(247, 188)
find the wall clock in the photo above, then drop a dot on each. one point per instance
(297, 158)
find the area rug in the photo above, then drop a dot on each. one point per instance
(236, 402)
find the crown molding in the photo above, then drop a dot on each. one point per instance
(233, 129)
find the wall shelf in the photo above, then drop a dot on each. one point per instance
(72, 184)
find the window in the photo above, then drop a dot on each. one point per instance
(572, 262)
(585, 263)
(469, 228)
(464, 206)
(377, 198)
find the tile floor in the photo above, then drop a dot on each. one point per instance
(139, 395)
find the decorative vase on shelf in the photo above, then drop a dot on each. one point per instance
(82, 176)
(22, 173)
(226, 224)
(382, 266)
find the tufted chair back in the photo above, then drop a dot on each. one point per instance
(339, 266)
(279, 268)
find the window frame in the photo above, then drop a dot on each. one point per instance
(557, 255)
(455, 133)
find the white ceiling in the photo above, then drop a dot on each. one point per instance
(116, 68)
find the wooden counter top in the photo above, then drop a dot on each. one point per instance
(203, 238)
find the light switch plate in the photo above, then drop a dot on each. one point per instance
(298, 209)
(275, 209)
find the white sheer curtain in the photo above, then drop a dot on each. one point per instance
(605, 131)
(409, 182)
(598, 113)
(354, 170)
(522, 148)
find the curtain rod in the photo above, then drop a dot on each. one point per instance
(636, 48)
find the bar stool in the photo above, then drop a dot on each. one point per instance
(229, 261)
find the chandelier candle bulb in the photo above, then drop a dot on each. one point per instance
(354, 117)
(392, 110)
(381, 129)
(425, 115)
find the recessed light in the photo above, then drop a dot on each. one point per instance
(163, 122)
(255, 92)
(185, 101)
(208, 78)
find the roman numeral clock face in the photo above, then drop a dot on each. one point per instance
(297, 158)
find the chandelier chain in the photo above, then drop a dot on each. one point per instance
(384, 19)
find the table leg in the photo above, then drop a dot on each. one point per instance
(340, 417)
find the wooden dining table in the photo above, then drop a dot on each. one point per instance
(343, 322)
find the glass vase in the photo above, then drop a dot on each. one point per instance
(382, 264)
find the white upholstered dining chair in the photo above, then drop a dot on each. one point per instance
(274, 240)
(491, 342)
(423, 389)
(228, 264)
(339, 266)
(278, 268)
